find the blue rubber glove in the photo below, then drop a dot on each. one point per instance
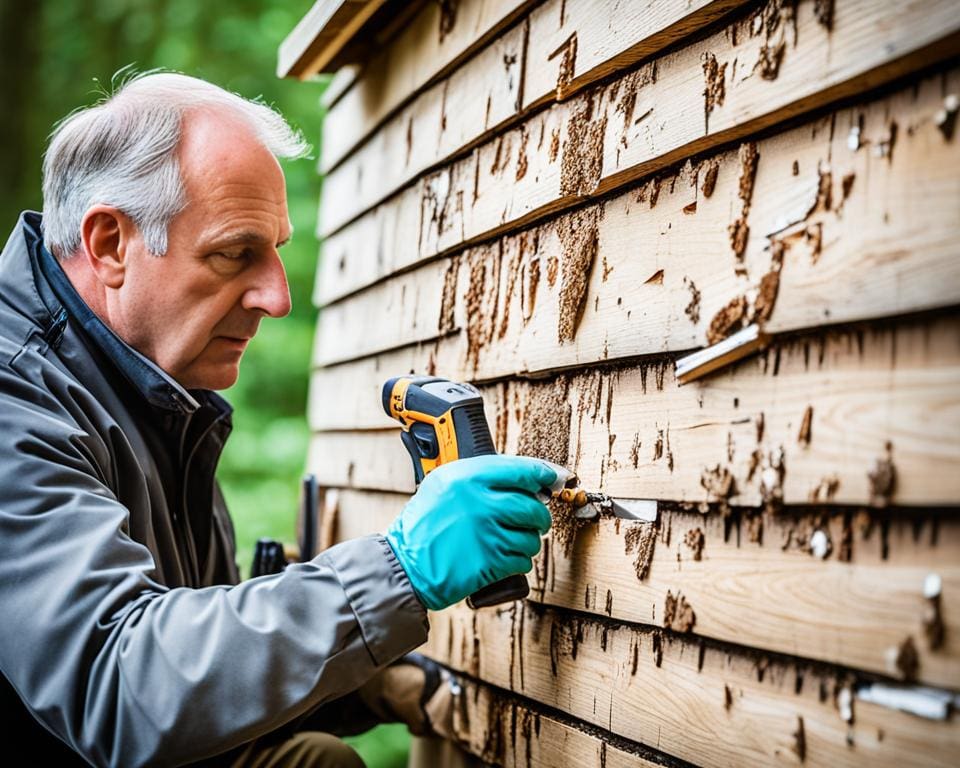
(471, 523)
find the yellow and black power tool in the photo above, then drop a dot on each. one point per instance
(444, 421)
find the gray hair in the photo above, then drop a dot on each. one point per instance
(123, 152)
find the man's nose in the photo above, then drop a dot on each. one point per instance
(269, 292)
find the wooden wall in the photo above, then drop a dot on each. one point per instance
(558, 200)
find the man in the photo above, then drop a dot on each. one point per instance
(125, 634)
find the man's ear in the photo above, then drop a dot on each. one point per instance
(106, 234)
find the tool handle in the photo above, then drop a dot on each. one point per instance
(309, 502)
(506, 590)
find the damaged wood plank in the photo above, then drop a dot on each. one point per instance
(575, 43)
(689, 697)
(878, 248)
(884, 424)
(754, 579)
(508, 731)
(588, 157)
(349, 465)
(475, 99)
(440, 38)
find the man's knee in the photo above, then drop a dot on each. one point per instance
(309, 748)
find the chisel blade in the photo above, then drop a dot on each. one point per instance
(644, 510)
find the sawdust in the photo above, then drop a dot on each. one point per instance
(481, 303)
(554, 145)
(635, 450)
(579, 238)
(531, 268)
(767, 296)
(448, 301)
(739, 230)
(883, 479)
(640, 539)
(710, 179)
(694, 539)
(677, 613)
(727, 320)
(582, 161)
(448, 17)
(553, 269)
(714, 90)
(772, 21)
(769, 60)
(522, 161)
(545, 421)
(514, 263)
(719, 484)
(568, 64)
(805, 426)
(692, 310)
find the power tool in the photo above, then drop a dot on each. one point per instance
(444, 421)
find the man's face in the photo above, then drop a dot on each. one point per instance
(194, 310)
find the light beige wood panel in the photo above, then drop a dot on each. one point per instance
(753, 579)
(472, 103)
(646, 120)
(356, 387)
(854, 417)
(475, 99)
(836, 231)
(574, 43)
(706, 703)
(374, 460)
(505, 730)
(439, 38)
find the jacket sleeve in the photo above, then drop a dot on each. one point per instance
(129, 672)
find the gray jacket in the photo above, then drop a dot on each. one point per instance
(123, 629)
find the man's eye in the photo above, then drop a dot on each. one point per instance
(234, 257)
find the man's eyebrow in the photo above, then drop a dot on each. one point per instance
(252, 238)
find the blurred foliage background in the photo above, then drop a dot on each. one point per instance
(57, 55)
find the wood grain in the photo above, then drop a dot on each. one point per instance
(856, 234)
(752, 579)
(705, 703)
(438, 40)
(506, 730)
(605, 150)
(879, 398)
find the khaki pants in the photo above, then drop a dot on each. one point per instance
(305, 749)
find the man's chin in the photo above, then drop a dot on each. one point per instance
(215, 377)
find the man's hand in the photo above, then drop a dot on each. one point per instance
(471, 523)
